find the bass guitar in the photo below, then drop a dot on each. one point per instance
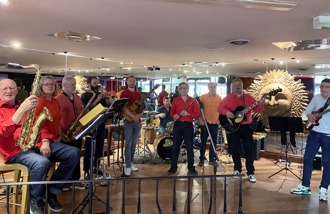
(231, 125)
(318, 115)
(136, 106)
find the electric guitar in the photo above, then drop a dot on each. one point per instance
(231, 125)
(318, 115)
(136, 106)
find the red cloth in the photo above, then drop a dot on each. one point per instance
(179, 105)
(232, 101)
(131, 95)
(160, 98)
(51, 129)
(8, 131)
(68, 114)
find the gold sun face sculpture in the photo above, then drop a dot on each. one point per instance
(82, 85)
(290, 102)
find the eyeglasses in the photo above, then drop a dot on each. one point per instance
(183, 88)
(49, 84)
(10, 88)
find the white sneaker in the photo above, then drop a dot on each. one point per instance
(128, 172)
(252, 178)
(236, 173)
(323, 194)
(301, 190)
(134, 169)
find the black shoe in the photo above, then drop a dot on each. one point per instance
(53, 203)
(201, 163)
(193, 171)
(86, 175)
(171, 171)
(36, 208)
(98, 171)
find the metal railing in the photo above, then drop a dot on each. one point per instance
(212, 188)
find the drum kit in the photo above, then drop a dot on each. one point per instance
(162, 143)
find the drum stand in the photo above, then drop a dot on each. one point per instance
(144, 151)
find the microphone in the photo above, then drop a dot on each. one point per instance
(15, 65)
(199, 101)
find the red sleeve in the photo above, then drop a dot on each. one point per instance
(173, 108)
(222, 108)
(196, 112)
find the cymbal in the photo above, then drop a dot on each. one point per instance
(151, 112)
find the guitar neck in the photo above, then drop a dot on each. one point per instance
(244, 111)
(322, 113)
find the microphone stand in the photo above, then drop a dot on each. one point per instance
(216, 158)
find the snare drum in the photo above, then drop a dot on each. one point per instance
(163, 145)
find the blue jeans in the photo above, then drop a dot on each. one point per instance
(99, 145)
(132, 133)
(315, 140)
(66, 155)
(213, 128)
(183, 130)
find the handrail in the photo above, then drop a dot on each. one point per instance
(213, 190)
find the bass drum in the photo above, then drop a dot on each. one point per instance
(163, 145)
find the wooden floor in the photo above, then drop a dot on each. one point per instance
(267, 195)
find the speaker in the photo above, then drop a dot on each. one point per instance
(221, 80)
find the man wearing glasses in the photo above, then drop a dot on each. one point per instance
(184, 110)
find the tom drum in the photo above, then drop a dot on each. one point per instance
(150, 133)
(163, 145)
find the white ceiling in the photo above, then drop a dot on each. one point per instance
(163, 33)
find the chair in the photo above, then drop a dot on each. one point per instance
(19, 171)
(24, 172)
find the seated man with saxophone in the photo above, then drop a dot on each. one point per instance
(44, 149)
(71, 111)
(90, 99)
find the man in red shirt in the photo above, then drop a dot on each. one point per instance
(161, 96)
(244, 134)
(184, 110)
(70, 108)
(131, 129)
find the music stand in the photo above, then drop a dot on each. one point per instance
(116, 107)
(90, 129)
(285, 124)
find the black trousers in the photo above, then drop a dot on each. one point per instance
(242, 137)
(185, 131)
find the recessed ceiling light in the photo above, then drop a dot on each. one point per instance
(4, 2)
(16, 44)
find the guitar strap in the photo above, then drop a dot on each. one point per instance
(243, 100)
(326, 104)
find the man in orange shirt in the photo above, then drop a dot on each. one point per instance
(210, 103)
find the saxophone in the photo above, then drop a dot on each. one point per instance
(76, 127)
(31, 126)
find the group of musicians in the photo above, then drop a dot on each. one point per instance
(53, 145)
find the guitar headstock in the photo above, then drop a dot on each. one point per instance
(272, 93)
(155, 87)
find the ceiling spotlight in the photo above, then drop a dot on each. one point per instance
(16, 44)
(5, 2)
